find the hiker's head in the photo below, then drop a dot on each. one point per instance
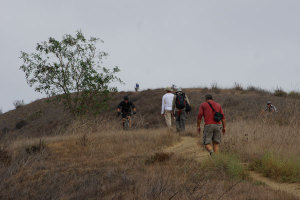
(126, 99)
(208, 97)
(269, 103)
(179, 90)
(168, 89)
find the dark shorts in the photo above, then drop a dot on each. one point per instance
(124, 115)
(212, 132)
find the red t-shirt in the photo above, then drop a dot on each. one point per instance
(208, 114)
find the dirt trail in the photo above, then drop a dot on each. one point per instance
(189, 148)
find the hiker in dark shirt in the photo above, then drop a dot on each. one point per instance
(125, 109)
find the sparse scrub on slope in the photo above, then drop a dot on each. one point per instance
(279, 92)
(229, 163)
(280, 169)
(18, 103)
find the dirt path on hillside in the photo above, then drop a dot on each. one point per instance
(189, 148)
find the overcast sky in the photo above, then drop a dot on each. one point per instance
(157, 43)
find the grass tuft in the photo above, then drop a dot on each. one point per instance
(280, 169)
(228, 163)
(280, 93)
(36, 148)
(158, 157)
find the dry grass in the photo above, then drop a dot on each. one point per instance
(44, 119)
(91, 158)
(115, 165)
(279, 168)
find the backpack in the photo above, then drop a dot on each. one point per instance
(188, 108)
(217, 116)
(180, 101)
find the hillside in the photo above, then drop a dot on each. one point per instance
(51, 155)
(41, 118)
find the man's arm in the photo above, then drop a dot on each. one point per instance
(133, 108)
(173, 103)
(223, 120)
(163, 105)
(119, 107)
(224, 125)
(187, 100)
(199, 118)
(275, 109)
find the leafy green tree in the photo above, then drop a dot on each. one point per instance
(72, 71)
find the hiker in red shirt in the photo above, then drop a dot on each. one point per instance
(215, 123)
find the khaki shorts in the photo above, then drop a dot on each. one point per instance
(212, 132)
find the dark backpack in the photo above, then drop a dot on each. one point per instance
(217, 116)
(188, 108)
(180, 101)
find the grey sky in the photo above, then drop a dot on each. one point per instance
(161, 42)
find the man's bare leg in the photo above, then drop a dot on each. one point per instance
(209, 148)
(129, 120)
(123, 122)
(216, 147)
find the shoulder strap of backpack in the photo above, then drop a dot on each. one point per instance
(211, 107)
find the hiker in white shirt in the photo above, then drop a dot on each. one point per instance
(166, 106)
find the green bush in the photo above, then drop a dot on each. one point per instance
(21, 124)
(257, 90)
(280, 169)
(280, 93)
(294, 94)
(229, 163)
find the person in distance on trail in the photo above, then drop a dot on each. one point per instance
(166, 107)
(181, 107)
(137, 87)
(125, 108)
(270, 107)
(215, 123)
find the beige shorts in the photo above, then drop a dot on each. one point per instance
(212, 133)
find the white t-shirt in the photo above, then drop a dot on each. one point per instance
(167, 101)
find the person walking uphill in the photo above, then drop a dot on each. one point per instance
(181, 105)
(125, 108)
(166, 107)
(214, 118)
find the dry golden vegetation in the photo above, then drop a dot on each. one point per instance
(119, 165)
(54, 156)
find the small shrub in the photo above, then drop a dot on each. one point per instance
(21, 124)
(237, 86)
(35, 115)
(83, 140)
(36, 148)
(229, 163)
(257, 90)
(18, 103)
(280, 93)
(215, 88)
(4, 130)
(5, 158)
(285, 170)
(294, 94)
(158, 157)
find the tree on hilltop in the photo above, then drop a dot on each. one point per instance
(72, 71)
